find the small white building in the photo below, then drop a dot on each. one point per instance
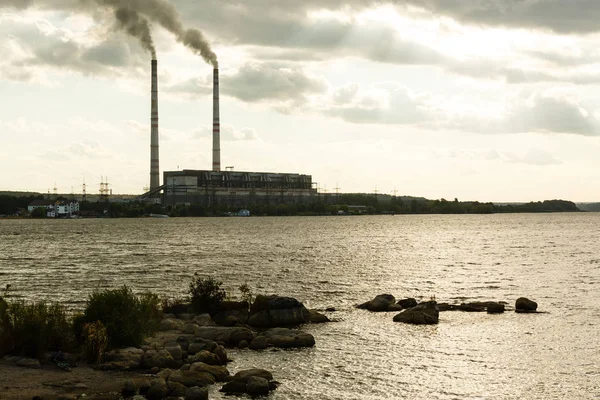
(55, 208)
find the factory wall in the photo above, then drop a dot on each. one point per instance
(237, 189)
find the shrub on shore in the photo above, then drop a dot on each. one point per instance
(33, 328)
(175, 305)
(128, 318)
(206, 293)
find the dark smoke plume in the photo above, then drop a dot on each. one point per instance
(166, 15)
(134, 17)
(137, 26)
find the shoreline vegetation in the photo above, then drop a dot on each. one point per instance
(345, 204)
(125, 344)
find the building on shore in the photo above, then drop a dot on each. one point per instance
(237, 188)
(55, 208)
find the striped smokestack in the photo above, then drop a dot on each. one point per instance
(216, 125)
(154, 170)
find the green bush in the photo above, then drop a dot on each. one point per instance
(175, 305)
(128, 318)
(246, 293)
(37, 327)
(206, 293)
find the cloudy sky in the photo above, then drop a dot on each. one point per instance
(490, 100)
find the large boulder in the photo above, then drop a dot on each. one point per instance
(247, 373)
(231, 336)
(158, 390)
(158, 358)
(380, 303)
(524, 305)
(192, 378)
(175, 350)
(171, 324)
(206, 357)
(203, 320)
(257, 386)
(252, 381)
(123, 359)
(220, 373)
(424, 313)
(276, 311)
(196, 393)
(287, 338)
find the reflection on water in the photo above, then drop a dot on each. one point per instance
(340, 261)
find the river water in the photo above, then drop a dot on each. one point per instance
(553, 259)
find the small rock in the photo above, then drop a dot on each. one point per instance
(176, 389)
(317, 318)
(194, 348)
(129, 388)
(65, 396)
(158, 390)
(523, 304)
(189, 328)
(256, 385)
(242, 344)
(29, 363)
(379, 303)
(407, 303)
(259, 343)
(196, 393)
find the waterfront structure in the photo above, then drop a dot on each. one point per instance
(54, 208)
(237, 188)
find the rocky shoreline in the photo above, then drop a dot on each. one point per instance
(189, 351)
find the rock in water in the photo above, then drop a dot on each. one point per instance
(495, 308)
(196, 393)
(380, 303)
(407, 303)
(422, 314)
(256, 386)
(525, 305)
(275, 311)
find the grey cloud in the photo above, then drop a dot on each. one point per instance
(553, 114)
(284, 25)
(402, 108)
(56, 50)
(572, 16)
(270, 82)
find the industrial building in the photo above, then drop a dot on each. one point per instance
(215, 187)
(236, 188)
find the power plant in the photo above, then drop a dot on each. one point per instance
(216, 187)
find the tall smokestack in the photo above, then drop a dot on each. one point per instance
(216, 125)
(154, 170)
